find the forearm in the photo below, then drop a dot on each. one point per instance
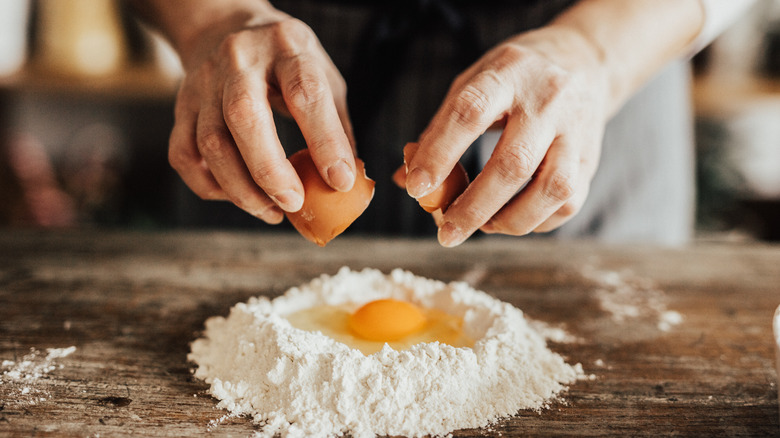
(632, 40)
(187, 23)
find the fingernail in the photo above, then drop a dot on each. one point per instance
(418, 183)
(288, 200)
(341, 176)
(450, 235)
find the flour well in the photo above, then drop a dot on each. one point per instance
(301, 383)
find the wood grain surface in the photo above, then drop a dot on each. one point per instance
(132, 302)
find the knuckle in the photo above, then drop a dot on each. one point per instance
(230, 47)
(263, 173)
(180, 155)
(238, 201)
(242, 199)
(508, 227)
(559, 186)
(239, 106)
(304, 91)
(178, 159)
(208, 194)
(241, 111)
(237, 52)
(471, 107)
(508, 56)
(490, 79)
(515, 164)
(568, 209)
(557, 79)
(471, 217)
(556, 85)
(291, 36)
(323, 144)
(211, 144)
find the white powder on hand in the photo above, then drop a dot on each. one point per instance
(301, 383)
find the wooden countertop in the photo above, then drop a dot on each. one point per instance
(132, 302)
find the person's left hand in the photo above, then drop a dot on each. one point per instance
(549, 90)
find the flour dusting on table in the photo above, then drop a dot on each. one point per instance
(300, 383)
(25, 380)
(626, 298)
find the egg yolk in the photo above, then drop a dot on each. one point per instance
(369, 327)
(386, 320)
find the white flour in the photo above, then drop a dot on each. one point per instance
(23, 381)
(627, 299)
(299, 383)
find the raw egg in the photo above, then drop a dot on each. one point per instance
(449, 190)
(326, 212)
(386, 320)
(370, 326)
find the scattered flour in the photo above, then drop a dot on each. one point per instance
(625, 298)
(669, 319)
(22, 381)
(300, 383)
(551, 333)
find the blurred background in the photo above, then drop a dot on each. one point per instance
(86, 107)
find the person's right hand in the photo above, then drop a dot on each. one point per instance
(224, 143)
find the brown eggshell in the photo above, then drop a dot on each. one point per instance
(326, 212)
(449, 190)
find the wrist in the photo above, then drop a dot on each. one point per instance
(634, 39)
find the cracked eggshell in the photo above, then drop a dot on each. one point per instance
(449, 190)
(326, 212)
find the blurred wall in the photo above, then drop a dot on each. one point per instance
(737, 97)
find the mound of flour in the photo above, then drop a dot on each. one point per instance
(299, 383)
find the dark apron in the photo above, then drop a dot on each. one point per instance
(399, 61)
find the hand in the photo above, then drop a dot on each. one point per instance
(224, 144)
(548, 89)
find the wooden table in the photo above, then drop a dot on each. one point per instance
(132, 302)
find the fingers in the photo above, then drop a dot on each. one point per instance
(220, 153)
(310, 99)
(248, 115)
(224, 143)
(183, 153)
(518, 154)
(467, 112)
(569, 209)
(339, 90)
(555, 194)
(552, 106)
